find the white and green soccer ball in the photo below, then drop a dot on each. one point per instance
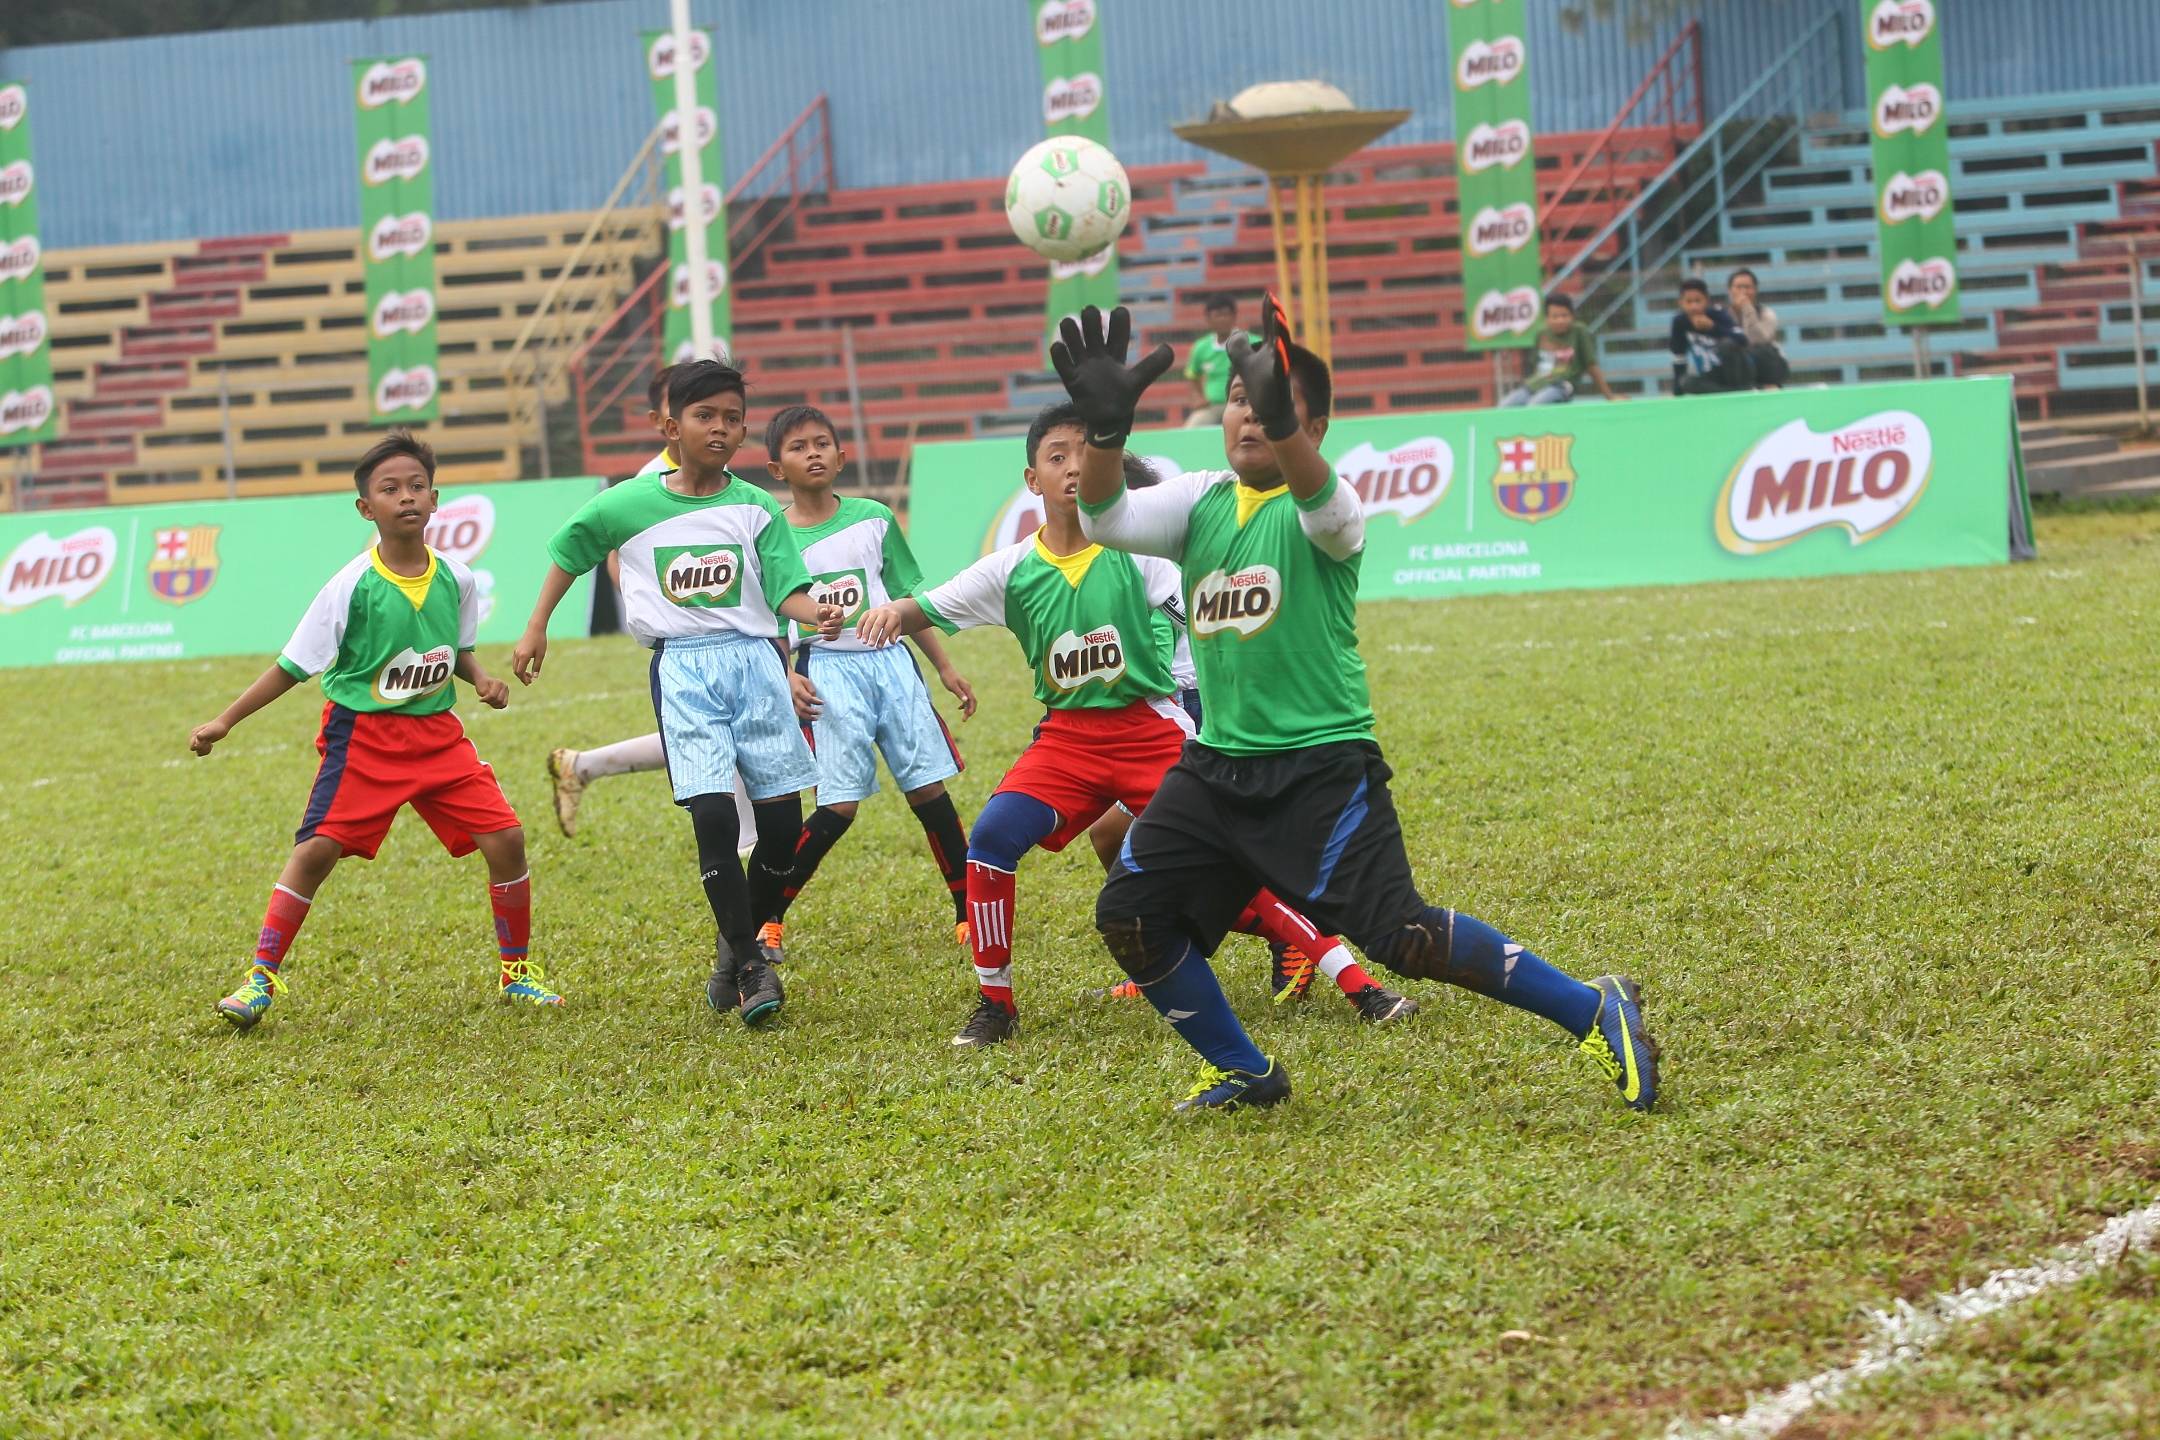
(1067, 198)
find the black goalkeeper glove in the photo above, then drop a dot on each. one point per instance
(1265, 371)
(1104, 389)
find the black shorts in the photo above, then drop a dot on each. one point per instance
(1317, 826)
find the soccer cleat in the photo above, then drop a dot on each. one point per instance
(991, 1024)
(762, 996)
(1290, 973)
(965, 934)
(720, 989)
(1376, 1005)
(1218, 1089)
(1123, 990)
(1620, 1043)
(247, 1004)
(769, 936)
(569, 789)
(522, 983)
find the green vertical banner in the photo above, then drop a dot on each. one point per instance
(709, 209)
(1068, 38)
(1911, 147)
(397, 229)
(27, 411)
(1496, 173)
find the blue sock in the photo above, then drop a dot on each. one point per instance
(1191, 999)
(1494, 965)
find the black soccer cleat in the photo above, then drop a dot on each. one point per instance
(720, 989)
(759, 985)
(991, 1024)
(1218, 1089)
(1377, 1005)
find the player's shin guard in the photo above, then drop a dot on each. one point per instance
(713, 818)
(288, 908)
(948, 847)
(779, 826)
(990, 917)
(512, 904)
(1463, 950)
(819, 834)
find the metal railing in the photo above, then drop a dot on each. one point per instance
(1664, 113)
(1691, 196)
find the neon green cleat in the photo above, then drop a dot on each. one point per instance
(524, 984)
(1620, 1043)
(251, 1001)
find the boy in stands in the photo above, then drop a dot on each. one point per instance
(387, 634)
(861, 701)
(1562, 356)
(1091, 624)
(709, 570)
(570, 771)
(1285, 786)
(1291, 969)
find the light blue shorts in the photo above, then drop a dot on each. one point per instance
(875, 700)
(725, 711)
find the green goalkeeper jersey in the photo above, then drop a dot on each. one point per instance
(1270, 587)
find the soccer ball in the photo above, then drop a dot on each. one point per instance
(1067, 198)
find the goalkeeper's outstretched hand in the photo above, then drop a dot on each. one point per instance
(1091, 361)
(1265, 371)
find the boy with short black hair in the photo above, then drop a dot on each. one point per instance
(388, 634)
(1709, 350)
(1565, 352)
(861, 700)
(1209, 366)
(709, 570)
(1285, 786)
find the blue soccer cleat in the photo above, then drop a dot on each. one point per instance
(1219, 1089)
(1620, 1043)
(249, 1003)
(523, 984)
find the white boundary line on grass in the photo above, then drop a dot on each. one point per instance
(1905, 1332)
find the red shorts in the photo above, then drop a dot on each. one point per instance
(1081, 762)
(372, 764)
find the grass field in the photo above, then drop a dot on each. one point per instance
(1883, 852)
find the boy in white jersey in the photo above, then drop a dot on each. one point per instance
(388, 634)
(709, 570)
(859, 700)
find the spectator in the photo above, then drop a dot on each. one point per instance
(1709, 352)
(1209, 367)
(1565, 353)
(1758, 323)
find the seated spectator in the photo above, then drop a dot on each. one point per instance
(1564, 352)
(1709, 352)
(1209, 367)
(1758, 323)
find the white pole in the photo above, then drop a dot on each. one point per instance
(693, 179)
(2137, 335)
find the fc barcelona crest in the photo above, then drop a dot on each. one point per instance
(1535, 480)
(184, 564)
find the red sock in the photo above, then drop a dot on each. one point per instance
(1269, 918)
(512, 904)
(280, 923)
(990, 917)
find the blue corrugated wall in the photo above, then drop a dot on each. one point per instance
(538, 109)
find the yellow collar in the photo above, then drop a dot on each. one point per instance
(1250, 500)
(1073, 567)
(413, 587)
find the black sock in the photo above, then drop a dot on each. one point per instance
(820, 833)
(948, 847)
(713, 818)
(779, 826)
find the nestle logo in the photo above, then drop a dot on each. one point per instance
(19, 259)
(1496, 63)
(392, 82)
(1505, 312)
(1073, 99)
(1865, 477)
(1927, 282)
(1063, 20)
(1899, 109)
(15, 182)
(1914, 197)
(1900, 22)
(1492, 231)
(14, 104)
(396, 235)
(1504, 144)
(389, 160)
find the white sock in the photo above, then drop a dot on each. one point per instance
(1333, 963)
(745, 821)
(624, 757)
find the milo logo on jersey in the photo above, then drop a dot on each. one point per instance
(707, 575)
(411, 675)
(848, 589)
(1077, 660)
(1247, 601)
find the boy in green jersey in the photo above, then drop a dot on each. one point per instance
(709, 569)
(1285, 785)
(388, 634)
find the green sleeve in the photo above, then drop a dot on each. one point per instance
(902, 575)
(1098, 508)
(780, 560)
(586, 537)
(291, 669)
(1321, 496)
(930, 612)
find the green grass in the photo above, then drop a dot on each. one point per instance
(1882, 851)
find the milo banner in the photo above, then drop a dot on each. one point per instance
(1068, 37)
(232, 577)
(397, 231)
(708, 209)
(1911, 148)
(1496, 173)
(1761, 485)
(27, 411)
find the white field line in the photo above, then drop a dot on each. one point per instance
(1905, 1332)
